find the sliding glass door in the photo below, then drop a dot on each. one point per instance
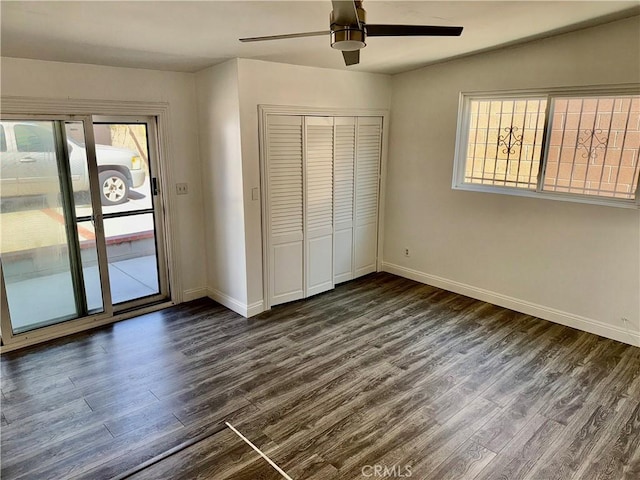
(50, 257)
(130, 207)
(80, 228)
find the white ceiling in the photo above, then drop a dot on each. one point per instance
(188, 36)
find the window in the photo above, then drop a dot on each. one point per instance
(570, 146)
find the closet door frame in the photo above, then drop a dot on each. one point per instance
(263, 115)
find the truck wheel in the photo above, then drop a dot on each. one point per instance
(114, 189)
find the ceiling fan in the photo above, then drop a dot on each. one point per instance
(349, 30)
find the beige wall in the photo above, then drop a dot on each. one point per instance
(572, 263)
(266, 83)
(219, 132)
(35, 78)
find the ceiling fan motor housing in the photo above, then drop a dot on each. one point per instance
(348, 37)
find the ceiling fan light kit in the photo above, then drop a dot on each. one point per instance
(349, 30)
(347, 39)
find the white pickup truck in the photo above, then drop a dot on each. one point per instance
(28, 164)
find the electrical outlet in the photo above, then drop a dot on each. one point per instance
(182, 188)
(406, 252)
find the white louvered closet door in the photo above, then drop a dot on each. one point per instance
(368, 152)
(285, 208)
(343, 197)
(318, 204)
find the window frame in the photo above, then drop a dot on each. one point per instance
(462, 141)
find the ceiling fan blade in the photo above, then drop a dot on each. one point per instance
(285, 36)
(345, 12)
(351, 57)
(412, 30)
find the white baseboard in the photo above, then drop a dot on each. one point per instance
(228, 301)
(236, 305)
(255, 308)
(193, 294)
(540, 311)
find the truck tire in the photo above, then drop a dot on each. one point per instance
(114, 188)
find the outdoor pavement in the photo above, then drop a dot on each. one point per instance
(34, 301)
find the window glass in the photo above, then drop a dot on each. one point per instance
(3, 140)
(32, 138)
(505, 142)
(593, 146)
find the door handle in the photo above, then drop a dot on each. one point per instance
(27, 160)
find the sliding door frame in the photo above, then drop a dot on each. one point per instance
(264, 111)
(69, 108)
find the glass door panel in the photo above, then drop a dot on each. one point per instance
(44, 271)
(125, 152)
(132, 255)
(122, 151)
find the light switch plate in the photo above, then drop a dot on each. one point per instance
(255, 193)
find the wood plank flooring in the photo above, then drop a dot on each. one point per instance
(380, 371)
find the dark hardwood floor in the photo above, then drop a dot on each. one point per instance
(381, 371)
